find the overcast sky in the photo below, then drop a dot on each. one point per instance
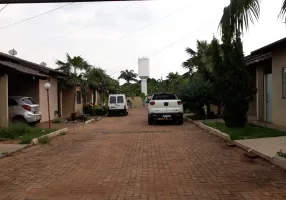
(113, 35)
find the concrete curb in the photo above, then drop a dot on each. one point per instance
(11, 153)
(50, 135)
(89, 121)
(92, 120)
(211, 130)
(277, 160)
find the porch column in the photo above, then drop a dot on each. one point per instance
(260, 93)
(4, 101)
(92, 99)
(96, 97)
(61, 103)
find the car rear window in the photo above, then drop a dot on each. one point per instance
(120, 99)
(112, 99)
(164, 96)
(28, 101)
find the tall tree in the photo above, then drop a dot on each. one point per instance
(232, 83)
(240, 13)
(95, 77)
(75, 68)
(199, 61)
(128, 75)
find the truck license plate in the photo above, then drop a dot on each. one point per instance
(166, 116)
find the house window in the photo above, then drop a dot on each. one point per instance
(284, 82)
(78, 97)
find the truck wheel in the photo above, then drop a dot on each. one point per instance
(125, 113)
(181, 121)
(150, 120)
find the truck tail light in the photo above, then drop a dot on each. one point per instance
(26, 107)
(152, 103)
(180, 103)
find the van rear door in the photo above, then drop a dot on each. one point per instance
(112, 102)
(120, 102)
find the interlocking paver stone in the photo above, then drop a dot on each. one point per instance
(137, 162)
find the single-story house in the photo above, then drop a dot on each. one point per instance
(267, 66)
(19, 77)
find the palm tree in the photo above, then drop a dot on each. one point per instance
(239, 13)
(128, 75)
(72, 65)
(96, 78)
(74, 68)
(199, 62)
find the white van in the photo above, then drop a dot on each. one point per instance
(117, 104)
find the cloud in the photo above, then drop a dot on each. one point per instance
(113, 35)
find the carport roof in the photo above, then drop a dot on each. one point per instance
(21, 68)
(29, 64)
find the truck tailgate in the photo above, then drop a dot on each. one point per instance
(159, 107)
(173, 106)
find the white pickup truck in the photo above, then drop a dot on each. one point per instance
(165, 106)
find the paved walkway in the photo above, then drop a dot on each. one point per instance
(266, 146)
(124, 158)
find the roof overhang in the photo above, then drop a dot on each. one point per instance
(21, 69)
(56, 1)
(252, 59)
(29, 64)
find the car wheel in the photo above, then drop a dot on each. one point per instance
(19, 120)
(33, 123)
(150, 120)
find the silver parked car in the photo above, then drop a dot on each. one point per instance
(24, 110)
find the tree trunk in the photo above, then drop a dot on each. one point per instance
(94, 97)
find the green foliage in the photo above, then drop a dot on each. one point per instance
(94, 110)
(128, 75)
(80, 73)
(44, 140)
(131, 89)
(238, 14)
(23, 132)
(281, 154)
(250, 131)
(233, 87)
(58, 120)
(198, 90)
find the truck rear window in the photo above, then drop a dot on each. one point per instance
(164, 96)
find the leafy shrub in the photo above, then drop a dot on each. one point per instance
(44, 140)
(87, 109)
(98, 111)
(81, 118)
(281, 154)
(73, 116)
(58, 120)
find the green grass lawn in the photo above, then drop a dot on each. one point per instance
(22, 132)
(250, 131)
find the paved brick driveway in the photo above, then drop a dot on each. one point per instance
(124, 158)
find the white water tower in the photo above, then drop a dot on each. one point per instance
(143, 72)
